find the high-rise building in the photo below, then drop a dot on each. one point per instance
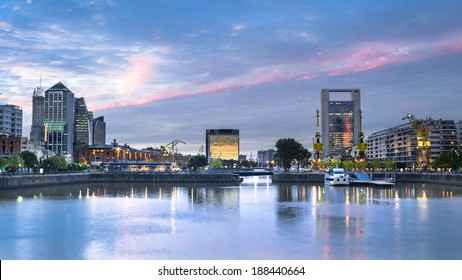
(90, 127)
(59, 119)
(399, 143)
(99, 131)
(11, 120)
(340, 121)
(81, 126)
(222, 144)
(37, 131)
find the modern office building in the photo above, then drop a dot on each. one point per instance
(81, 123)
(399, 143)
(222, 144)
(90, 127)
(59, 119)
(11, 120)
(37, 131)
(99, 131)
(340, 121)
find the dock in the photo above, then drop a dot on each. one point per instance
(362, 178)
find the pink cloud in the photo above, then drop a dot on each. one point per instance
(331, 62)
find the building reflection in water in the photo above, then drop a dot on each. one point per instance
(255, 219)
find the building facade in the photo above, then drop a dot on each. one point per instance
(37, 131)
(340, 121)
(266, 157)
(459, 134)
(99, 131)
(222, 144)
(81, 123)
(59, 119)
(11, 120)
(9, 145)
(90, 127)
(399, 143)
(95, 155)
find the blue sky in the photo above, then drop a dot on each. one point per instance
(165, 70)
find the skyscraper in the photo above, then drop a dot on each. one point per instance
(59, 119)
(340, 121)
(222, 144)
(99, 131)
(37, 131)
(90, 127)
(81, 123)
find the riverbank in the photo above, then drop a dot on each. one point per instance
(40, 180)
(433, 178)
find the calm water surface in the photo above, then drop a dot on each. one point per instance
(253, 220)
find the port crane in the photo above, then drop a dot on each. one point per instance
(423, 141)
(362, 147)
(169, 149)
(318, 146)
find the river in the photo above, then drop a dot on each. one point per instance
(253, 220)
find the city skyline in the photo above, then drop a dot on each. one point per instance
(163, 71)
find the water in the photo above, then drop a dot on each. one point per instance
(254, 220)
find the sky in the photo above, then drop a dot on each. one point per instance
(159, 71)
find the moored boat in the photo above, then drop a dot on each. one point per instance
(336, 177)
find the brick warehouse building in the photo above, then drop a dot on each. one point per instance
(9, 145)
(109, 153)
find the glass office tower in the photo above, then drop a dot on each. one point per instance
(81, 123)
(222, 144)
(340, 122)
(59, 119)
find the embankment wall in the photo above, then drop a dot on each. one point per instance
(23, 181)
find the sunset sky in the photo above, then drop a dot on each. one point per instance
(165, 70)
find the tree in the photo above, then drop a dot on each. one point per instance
(348, 165)
(448, 160)
(303, 157)
(361, 165)
(216, 163)
(376, 164)
(197, 161)
(288, 150)
(74, 166)
(30, 159)
(14, 162)
(3, 163)
(54, 163)
(389, 164)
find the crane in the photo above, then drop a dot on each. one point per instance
(168, 149)
(318, 146)
(362, 147)
(423, 141)
(201, 150)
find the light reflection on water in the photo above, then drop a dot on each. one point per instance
(253, 220)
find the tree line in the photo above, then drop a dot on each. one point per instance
(27, 159)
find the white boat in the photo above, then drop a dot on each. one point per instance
(336, 177)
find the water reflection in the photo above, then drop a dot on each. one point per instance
(363, 194)
(222, 194)
(255, 220)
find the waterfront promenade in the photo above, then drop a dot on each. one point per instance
(32, 180)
